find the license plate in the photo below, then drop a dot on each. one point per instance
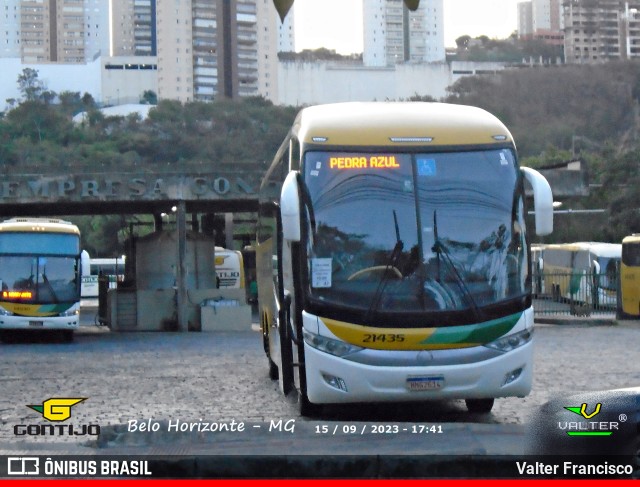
(425, 383)
(36, 323)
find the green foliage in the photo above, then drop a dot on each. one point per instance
(620, 185)
(511, 50)
(100, 234)
(320, 54)
(564, 112)
(548, 106)
(39, 134)
(149, 97)
(29, 84)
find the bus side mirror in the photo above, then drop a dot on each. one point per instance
(290, 208)
(542, 200)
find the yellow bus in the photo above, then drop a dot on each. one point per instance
(40, 275)
(392, 256)
(630, 276)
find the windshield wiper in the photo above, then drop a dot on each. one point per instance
(391, 263)
(439, 248)
(45, 279)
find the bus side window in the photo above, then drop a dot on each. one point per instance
(267, 231)
(294, 154)
(267, 219)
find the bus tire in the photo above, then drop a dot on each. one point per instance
(7, 336)
(479, 405)
(307, 408)
(273, 369)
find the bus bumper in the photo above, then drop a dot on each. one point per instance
(39, 323)
(367, 383)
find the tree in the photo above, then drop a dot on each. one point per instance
(149, 97)
(29, 84)
(88, 101)
(620, 183)
(462, 42)
(70, 102)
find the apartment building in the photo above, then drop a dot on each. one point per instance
(393, 34)
(54, 31)
(133, 28)
(542, 20)
(603, 30)
(286, 31)
(62, 31)
(96, 28)
(198, 59)
(10, 29)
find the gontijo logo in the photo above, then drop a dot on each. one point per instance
(56, 408)
(589, 428)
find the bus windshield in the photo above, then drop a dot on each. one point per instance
(42, 280)
(415, 233)
(39, 268)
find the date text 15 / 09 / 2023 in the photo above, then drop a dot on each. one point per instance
(389, 429)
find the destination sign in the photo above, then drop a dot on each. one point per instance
(364, 162)
(17, 294)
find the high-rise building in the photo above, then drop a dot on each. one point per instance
(54, 31)
(212, 48)
(286, 32)
(541, 20)
(10, 29)
(133, 28)
(271, 39)
(394, 34)
(603, 30)
(122, 28)
(525, 19)
(547, 15)
(96, 32)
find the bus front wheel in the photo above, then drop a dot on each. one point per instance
(307, 408)
(67, 336)
(273, 369)
(479, 405)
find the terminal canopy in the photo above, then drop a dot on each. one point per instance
(283, 6)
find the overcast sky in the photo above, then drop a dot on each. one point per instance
(337, 24)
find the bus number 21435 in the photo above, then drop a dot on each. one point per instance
(383, 337)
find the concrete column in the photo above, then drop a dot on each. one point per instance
(228, 230)
(181, 278)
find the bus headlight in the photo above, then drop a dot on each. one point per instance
(4, 312)
(329, 345)
(73, 311)
(511, 342)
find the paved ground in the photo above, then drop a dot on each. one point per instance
(221, 377)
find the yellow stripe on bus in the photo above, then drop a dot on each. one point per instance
(387, 338)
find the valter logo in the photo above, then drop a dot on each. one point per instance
(56, 408)
(587, 428)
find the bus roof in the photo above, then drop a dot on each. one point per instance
(601, 249)
(635, 238)
(52, 225)
(399, 124)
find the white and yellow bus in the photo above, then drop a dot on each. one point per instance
(229, 266)
(39, 275)
(583, 272)
(93, 268)
(392, 257)
(630, 276)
